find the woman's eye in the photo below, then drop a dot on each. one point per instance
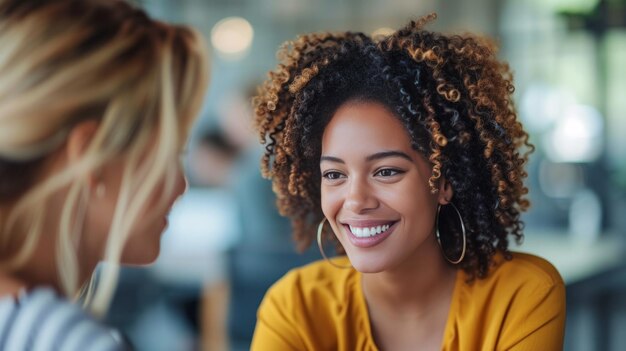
(332, 175)
(388, 172)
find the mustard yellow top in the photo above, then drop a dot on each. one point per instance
(520, 305)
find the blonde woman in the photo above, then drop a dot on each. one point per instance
(96, 100)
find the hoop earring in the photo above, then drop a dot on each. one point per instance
(320, 227)
(457, 261)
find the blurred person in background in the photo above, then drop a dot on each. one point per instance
(411, 150)
(96, 101)
(212, 160)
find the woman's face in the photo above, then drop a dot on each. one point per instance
(375, 191)
(143, 244)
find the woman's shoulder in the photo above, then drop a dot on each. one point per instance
(524, 275)
(309, 307)
(524, 268)
(40, 319)
(521, 301)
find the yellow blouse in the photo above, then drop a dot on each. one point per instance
(520, 305)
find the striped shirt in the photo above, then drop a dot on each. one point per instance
(41, 320)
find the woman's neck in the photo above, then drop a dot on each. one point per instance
(409, 305)
(39, 268)
(10, 285)
(415, 284)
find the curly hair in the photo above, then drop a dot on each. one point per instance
(451, 93)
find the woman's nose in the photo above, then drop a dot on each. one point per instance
(359, 197)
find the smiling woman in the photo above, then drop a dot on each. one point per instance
(410, 149)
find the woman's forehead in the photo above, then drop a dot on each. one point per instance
(364, 127)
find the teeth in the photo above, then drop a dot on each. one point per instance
(368, 231)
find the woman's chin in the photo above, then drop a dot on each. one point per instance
(143, 257)
(367, 264)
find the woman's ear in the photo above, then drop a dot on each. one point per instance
(78, 141)
(445, 191)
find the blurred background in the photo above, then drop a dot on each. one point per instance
(226, 244)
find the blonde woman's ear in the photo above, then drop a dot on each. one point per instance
(445, 192)
(77, 143)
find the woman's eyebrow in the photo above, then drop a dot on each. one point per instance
(332, 159)
(385, 154)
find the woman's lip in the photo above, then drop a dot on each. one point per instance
(362, 223)
(369, 241)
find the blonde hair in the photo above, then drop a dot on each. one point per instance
(66, 61)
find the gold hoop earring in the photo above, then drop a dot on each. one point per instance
(320, 227)
(464, 248)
